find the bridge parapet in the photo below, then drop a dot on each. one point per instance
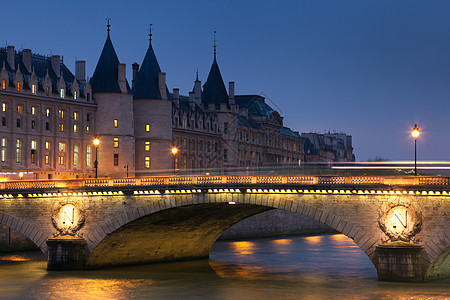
(231, 179)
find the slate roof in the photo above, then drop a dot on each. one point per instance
(255, 104)
(214, 91)
(105, 78)
(146, 84)
(41, 64)
(287, 131)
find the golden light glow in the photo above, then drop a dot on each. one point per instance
(244, 247)
(313, 239)
(96, 142)
(174, 150)
(14, 258)
(415, 132)
(282, 241)
(20, 175)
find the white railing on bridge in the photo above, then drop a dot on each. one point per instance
(226, 180)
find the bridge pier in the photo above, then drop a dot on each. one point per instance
(66, 253)
(399, 261)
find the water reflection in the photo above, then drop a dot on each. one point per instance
(316, 267)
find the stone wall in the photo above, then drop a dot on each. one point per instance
(11, 240)
(275, 223)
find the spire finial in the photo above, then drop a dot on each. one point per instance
(214, 43)
(108, 19)
(196, 79)
(150, 33)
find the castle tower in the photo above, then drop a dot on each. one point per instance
(114, 117)
(215, 98)
(152, 115)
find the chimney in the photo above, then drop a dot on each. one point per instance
(176, 96)
(80, 70)
(26, 59)
(121, 77)
(231, 92)
(10, 57)
(162, 84)
(56, 65)
(198, 92)
(192, 100)
(135, 67)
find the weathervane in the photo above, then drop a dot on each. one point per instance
(214, 43)
(150, 33)
(108, 19)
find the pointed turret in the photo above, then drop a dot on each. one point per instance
(214, 91)
(146, 84)
(105, 78)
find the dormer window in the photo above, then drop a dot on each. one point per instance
(33, 89)
(18, 86)
(61, 93)
(75, 95)
(4, 84)
(34, 110)
(47, 90)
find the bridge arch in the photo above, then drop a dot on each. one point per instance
(27, 229)
(437, 259)
(196, 220)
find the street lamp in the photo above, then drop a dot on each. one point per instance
(415, 134)
(96, 142)
(174, 153)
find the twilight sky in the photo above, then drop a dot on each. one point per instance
(368, 68)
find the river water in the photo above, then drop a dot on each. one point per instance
(302, 267)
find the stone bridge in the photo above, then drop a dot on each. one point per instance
(401, 223)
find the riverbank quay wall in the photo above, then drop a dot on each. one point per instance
(162, 219)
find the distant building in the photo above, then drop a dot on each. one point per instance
(328, 147)
(50, 117)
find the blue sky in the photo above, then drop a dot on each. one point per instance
(371, 69)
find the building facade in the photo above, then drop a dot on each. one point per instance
(50, 118)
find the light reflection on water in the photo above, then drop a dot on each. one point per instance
(315, 267)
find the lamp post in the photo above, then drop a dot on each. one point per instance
(126, 166)
(174, 153)
(96, 142)
(415, 134)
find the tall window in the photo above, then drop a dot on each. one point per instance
(225, 128)
(3, 106)
(88, 155)
(19, 86)
(147, 146)
(75, 155)
(61, 127)
(47, 159)
(147, 127)
(33, 151)
(18, 151)
(33, 88)
(147, 162)
(61, 93)
(33, 124)
(184, 123)
(3, 149)
(19, 108)
(47, 112)
(61, 160)
(76, 115)
(61, 114)
(75, 128)
(116, 123)
(34, 110)
(47, 145)
(47, 90)
(47, 126)
(62, 147)
(4, 84)
(75, 95)
(116, 159)
(88, 129)
(116, 142)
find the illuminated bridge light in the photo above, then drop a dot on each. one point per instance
(288, 191)
(277, 191)
(417, 193)
(360, 192)
(385, 192)
(437, 193)
(109, 193)
(210, 191)
(430, 193)
(248, 190)
(295, 191)
(156, 192)
(348, 192)
(220, 190)
(231, 202)
(444, 193)
(398, 192)
(227, 190)
(405, 192)
(215, 190)
(19, 195)
(265, 191)
(135, 193)
(424, 193)
(259, 190)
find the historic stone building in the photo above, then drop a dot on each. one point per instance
(50, 118)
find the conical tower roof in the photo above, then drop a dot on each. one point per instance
(146, 84)
(105, 78)
(214, 91)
